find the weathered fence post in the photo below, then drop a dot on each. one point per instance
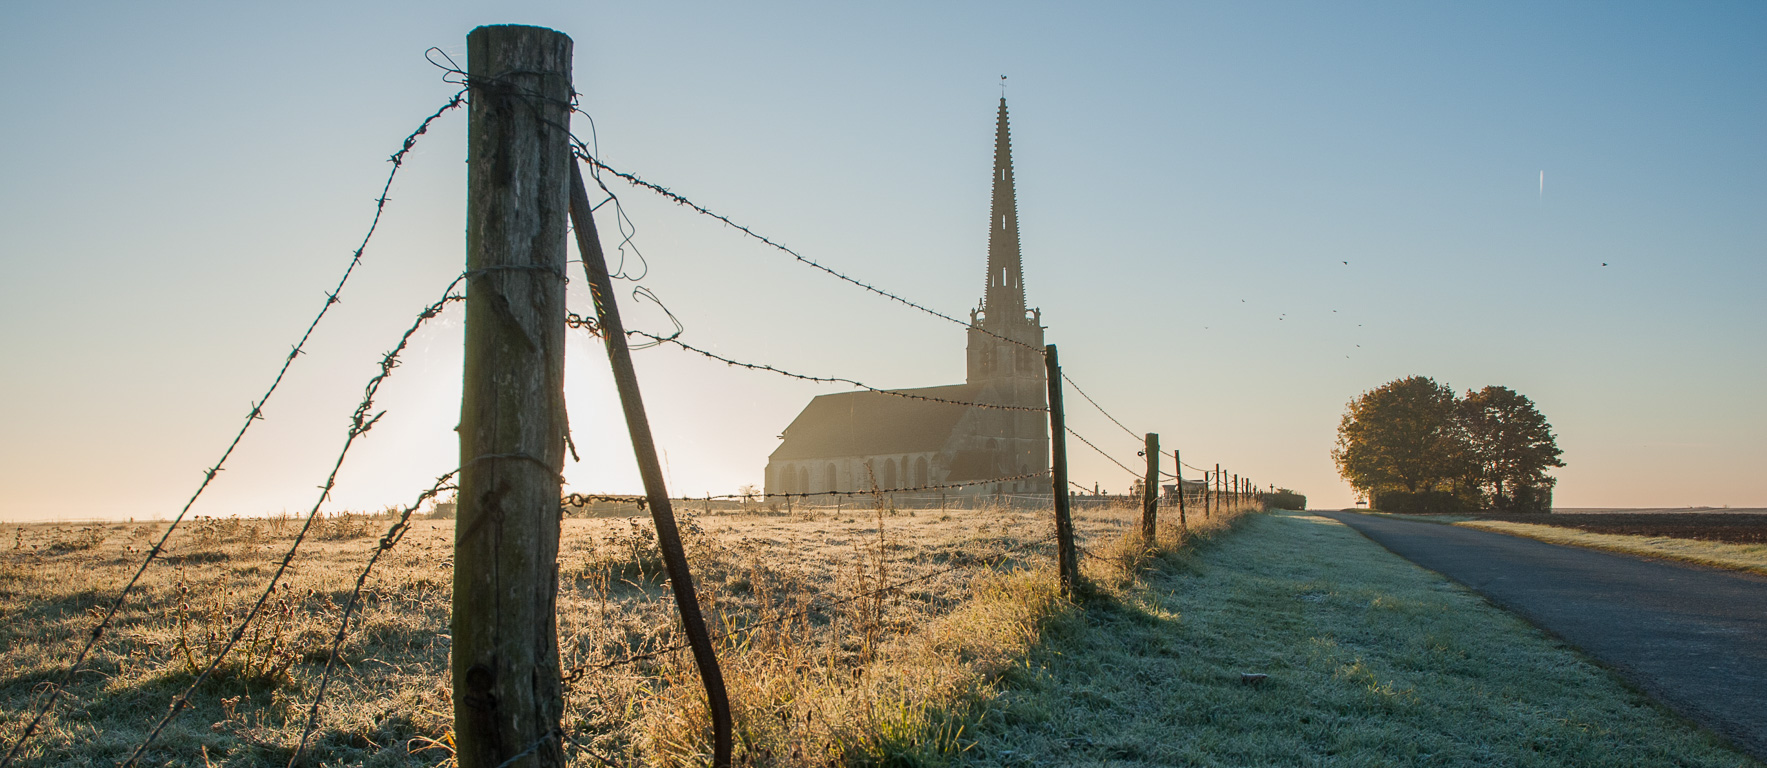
(508, 697)
(1066, 561)
(1220, 489)
(1178, 475)
(1150, 490)
(656, 492)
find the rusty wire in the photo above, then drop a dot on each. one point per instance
(1101, 452)
(946, 486)
(827, 379)
(585, 499)
(393, 535)
(1107, 414)
(360, 422)
(256, 413)
(673, 197)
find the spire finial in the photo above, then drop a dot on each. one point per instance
(1003, 87)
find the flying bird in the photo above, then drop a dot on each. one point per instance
(1604, 263)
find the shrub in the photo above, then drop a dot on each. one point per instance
(1284, 498)
(1419, 503)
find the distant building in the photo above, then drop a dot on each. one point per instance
(851, 440)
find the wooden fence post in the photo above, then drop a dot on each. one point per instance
(1178, 472)
(508, 696)
(1066, 558)
(619, 356)
(1150, 490)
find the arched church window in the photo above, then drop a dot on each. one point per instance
(920, 473)
(889, 474)
(803, 485)
(829, 478)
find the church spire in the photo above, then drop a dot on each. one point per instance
(1004, 299)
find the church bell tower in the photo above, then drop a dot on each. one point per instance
(1006, 339)
(1002, 319)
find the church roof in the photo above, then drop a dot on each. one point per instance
(871, 423)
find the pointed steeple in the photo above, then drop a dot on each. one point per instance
(1003, 301)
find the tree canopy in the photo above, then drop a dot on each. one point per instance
(1511, 445)
(1490, 448)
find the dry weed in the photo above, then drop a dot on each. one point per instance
(851, 634)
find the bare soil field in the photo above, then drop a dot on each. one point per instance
(1734, 527)
(824, 663)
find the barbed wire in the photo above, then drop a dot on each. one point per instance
(623, 224)
(946, 486)
(1107, 414)
(360, 423)
(1101, 452)
(641, 294)
(393, 535)
(585, 499)
(827, 379)
(673, 197)
(255, 414)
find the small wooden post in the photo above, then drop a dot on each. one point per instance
(1178, 472)
(1067, 564)
(508, 697)
(1150, 490)
(1220, 489)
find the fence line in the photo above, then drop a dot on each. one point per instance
(360, 423)
(255, 414)
(827, 379)
(1107, 414)
(1101, 452)
(364, 419)
(697, 208)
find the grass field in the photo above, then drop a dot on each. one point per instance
(897, 675)
(1371, 661)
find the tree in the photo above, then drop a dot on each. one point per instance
(1512, 446)
(1405, 435)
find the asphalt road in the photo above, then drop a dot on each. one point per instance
(1695, 638)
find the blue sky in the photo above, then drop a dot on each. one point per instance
(180, 183)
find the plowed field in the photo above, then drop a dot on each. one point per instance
(1736, 528)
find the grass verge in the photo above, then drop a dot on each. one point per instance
(1370, 661)
(1717, 554)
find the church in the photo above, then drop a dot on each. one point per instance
(858, 441)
